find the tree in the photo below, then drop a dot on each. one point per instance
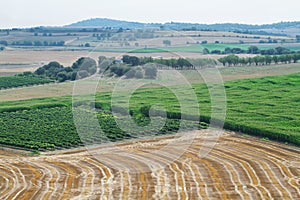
(242, 61)
(268, 60)
(249, 61)
(130, 74)
(92, 70)
(4, 42)
(167, 42)
(275, 59)
(83, 74)
(253, 50)
(223, 61)
(181, 62)
(139, 74)
(296, 57)
(288, 58)
(73, 76)
(131, 60)
(84, 63)
(87, 45)
(256, 60)
(150, 71)
(281, 50)
(262, 60)
(282, 59)
(38, 43)
(62, 76)
(205, 51)
(40, 71)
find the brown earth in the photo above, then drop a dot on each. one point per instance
(238, 167)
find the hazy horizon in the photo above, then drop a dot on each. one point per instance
(31, 13)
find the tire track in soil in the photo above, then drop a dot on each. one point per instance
(237, 168)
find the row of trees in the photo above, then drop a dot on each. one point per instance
(148, 71)
(251, 50)
(82, 68)
(180, 63)
(233, 60)
(39, 43)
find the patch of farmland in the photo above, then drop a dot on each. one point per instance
(236, 168)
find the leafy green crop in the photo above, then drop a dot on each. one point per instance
(265, 107)
(17, 81)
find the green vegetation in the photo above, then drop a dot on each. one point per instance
(54, 128)
(218, 48)
(17, 81)
(38, 43)
(233, 60)
(180, 63)
(251, 50)
(134, 67)
(265, 107)
(148, 50)
(82, 68)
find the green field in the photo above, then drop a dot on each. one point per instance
(265, 107)
(17, 81)
(196, 48)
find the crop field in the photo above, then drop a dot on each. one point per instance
(237, 168)
(156, 132)
(265, 107)
(52, 128)
(230, 73)
(17, 81)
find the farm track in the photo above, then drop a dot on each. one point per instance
(237, 168)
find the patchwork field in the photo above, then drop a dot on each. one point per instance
(42, 156)
(238, 167)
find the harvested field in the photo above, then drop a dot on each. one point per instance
(66, 58)
(238, 167)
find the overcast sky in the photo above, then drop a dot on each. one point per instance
(28, 13)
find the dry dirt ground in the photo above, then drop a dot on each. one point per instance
(68, 57)
(238, 167)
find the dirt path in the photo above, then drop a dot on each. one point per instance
(237, 168)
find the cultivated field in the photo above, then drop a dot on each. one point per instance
(61, 89)
(238, 167)
(260, 100)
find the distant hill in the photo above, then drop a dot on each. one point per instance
(103, 22)
(276, 28)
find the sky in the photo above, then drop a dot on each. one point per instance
(30, 13)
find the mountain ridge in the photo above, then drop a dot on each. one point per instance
(113, 23)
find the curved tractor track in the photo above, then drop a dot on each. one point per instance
(237, 168)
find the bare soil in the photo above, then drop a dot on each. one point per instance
(238, 167)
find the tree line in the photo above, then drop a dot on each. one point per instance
(233, 60)
(251, 50)
(33, 43)
(174, 63)
(82, 68)
(38, 43)
(147, 67)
